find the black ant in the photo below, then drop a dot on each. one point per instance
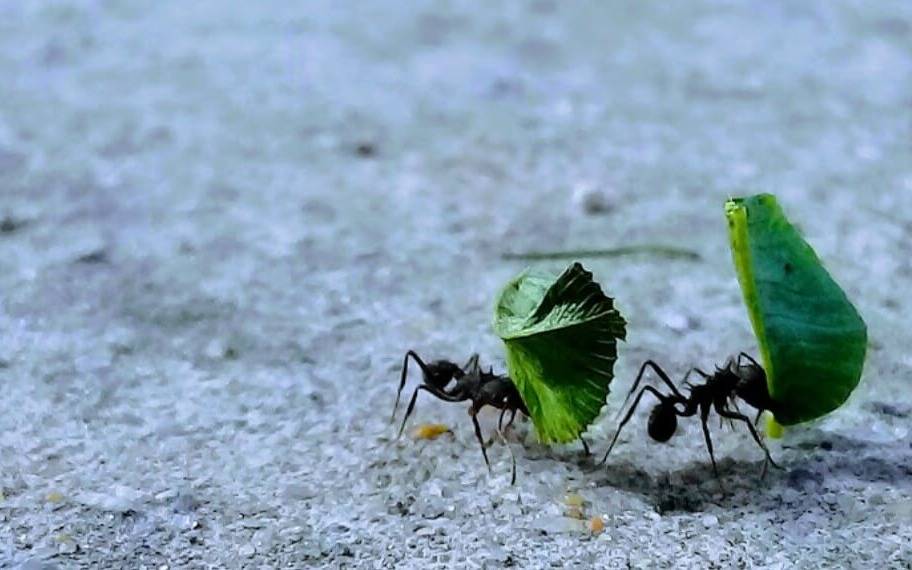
(718, 392)
(469, 382)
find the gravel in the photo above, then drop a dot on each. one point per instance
(222, 228)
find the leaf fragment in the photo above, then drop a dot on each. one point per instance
(812, 339)
(561, 336)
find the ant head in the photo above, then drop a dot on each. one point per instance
(752, 387)
(663, 421)
(439, 373)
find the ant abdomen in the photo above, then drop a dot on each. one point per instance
(663, 422)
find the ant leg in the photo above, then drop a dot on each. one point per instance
(691, 371)
(405, 377)
(437, 393)
(741, 417)
(704, 416)
(661, 373)
(512, 457)
(629, 414)
(510, 421)
(585, 446)
(503, 412)
(759, 414)
(474, 413)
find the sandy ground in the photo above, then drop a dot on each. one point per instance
(221, 230)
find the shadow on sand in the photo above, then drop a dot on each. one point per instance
(818, 458)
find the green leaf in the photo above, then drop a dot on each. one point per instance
(812, 339)
(561, 337)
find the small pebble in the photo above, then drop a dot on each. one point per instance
(709, 521)
(591, 200)
(596, 525)
(66, 544)
(247, 550)
(366, 149)
(425, 531)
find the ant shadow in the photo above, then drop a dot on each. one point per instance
(824, 459)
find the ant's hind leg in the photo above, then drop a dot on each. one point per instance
(437, 393)
(661, 374)
(629, 414)
(585, 446)
(404, 377)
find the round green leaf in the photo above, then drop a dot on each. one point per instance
(812, 339)
(561, 337)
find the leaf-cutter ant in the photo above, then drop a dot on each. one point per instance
(719, 392)
(448, 382)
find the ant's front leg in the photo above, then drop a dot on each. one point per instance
(742, 418)
(435, 392)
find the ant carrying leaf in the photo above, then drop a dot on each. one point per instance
(561, 337)
(812, 339)
(718, 392)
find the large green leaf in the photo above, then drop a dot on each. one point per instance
(812, 339)
(561, 336)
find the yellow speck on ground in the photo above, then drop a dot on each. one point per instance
(53, 497)
(596, 524)
(574, 500)
(430, 431)
(575, 504)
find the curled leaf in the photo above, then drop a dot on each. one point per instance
(812, 339)
(561, 337)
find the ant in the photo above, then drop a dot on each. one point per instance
(719, 391)
(469, 383)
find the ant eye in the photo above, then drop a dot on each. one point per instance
(809, 310)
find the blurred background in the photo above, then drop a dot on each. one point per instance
(222, 225)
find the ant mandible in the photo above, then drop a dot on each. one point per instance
(469, 382)
(718, 392)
